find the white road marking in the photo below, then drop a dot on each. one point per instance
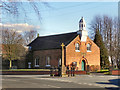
(90, 76)
(68, 80)
(54, 79)
(53, 86)
(98, 85)
(90, 84)
(9, 79)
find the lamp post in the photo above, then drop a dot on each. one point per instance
(63, 71)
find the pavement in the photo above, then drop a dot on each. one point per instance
(45, 81)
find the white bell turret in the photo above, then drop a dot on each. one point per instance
(82, 24)
(82, 30)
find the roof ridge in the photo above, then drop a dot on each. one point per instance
(52, 41)
(57, 34)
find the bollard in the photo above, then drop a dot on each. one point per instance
(59, 71)
(51, 72)
(88, 69)
(110, 69)
(73, 70)
(68, 70)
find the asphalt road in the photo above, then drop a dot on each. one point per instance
(45, 81)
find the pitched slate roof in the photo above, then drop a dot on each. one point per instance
(52, 41)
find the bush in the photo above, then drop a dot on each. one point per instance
(94, 68)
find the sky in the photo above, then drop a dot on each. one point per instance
(61, 17)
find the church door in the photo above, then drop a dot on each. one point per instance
(83, 65)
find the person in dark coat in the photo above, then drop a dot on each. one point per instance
(71, 71)
(68, 70)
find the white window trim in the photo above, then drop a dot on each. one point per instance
(35, 63)
(48, 65)
(59, 62)
(89, 51)
(89, 47)
(77, 50)
(77, 45)
(46, 62)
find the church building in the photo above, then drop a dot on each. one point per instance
(79, 50)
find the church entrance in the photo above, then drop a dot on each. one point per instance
(83, 65)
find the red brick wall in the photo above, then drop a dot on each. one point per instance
(36, 72)
(77, 72)
(91, 58)
(54, 55)
(115, 72)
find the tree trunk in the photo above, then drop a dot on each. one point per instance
(10, 64)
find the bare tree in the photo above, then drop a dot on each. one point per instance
(96, 24)
(14, 7)
(12, 45)
(116, 41)
(109, 29)
(29, 36)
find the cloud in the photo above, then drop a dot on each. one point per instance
(19, 27)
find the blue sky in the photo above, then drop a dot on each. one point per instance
(64, 17)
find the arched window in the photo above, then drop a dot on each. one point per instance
(77, 47)
(47, 61)
(88, 47)
(59, 62)
(36, 62)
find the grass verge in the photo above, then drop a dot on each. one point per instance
(26, 70)
(103, 71)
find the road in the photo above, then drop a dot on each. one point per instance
(45, 81)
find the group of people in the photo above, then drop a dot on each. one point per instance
(70, 70)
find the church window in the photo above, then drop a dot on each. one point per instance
(77, 47)
(47, 61)
(88, 47)
(36, 62)
(59, 62)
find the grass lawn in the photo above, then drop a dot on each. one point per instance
(26, 70)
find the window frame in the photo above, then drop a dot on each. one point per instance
(89, 47)
(59, 62)
(48, 58)
(77, 47)
(37, 62)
